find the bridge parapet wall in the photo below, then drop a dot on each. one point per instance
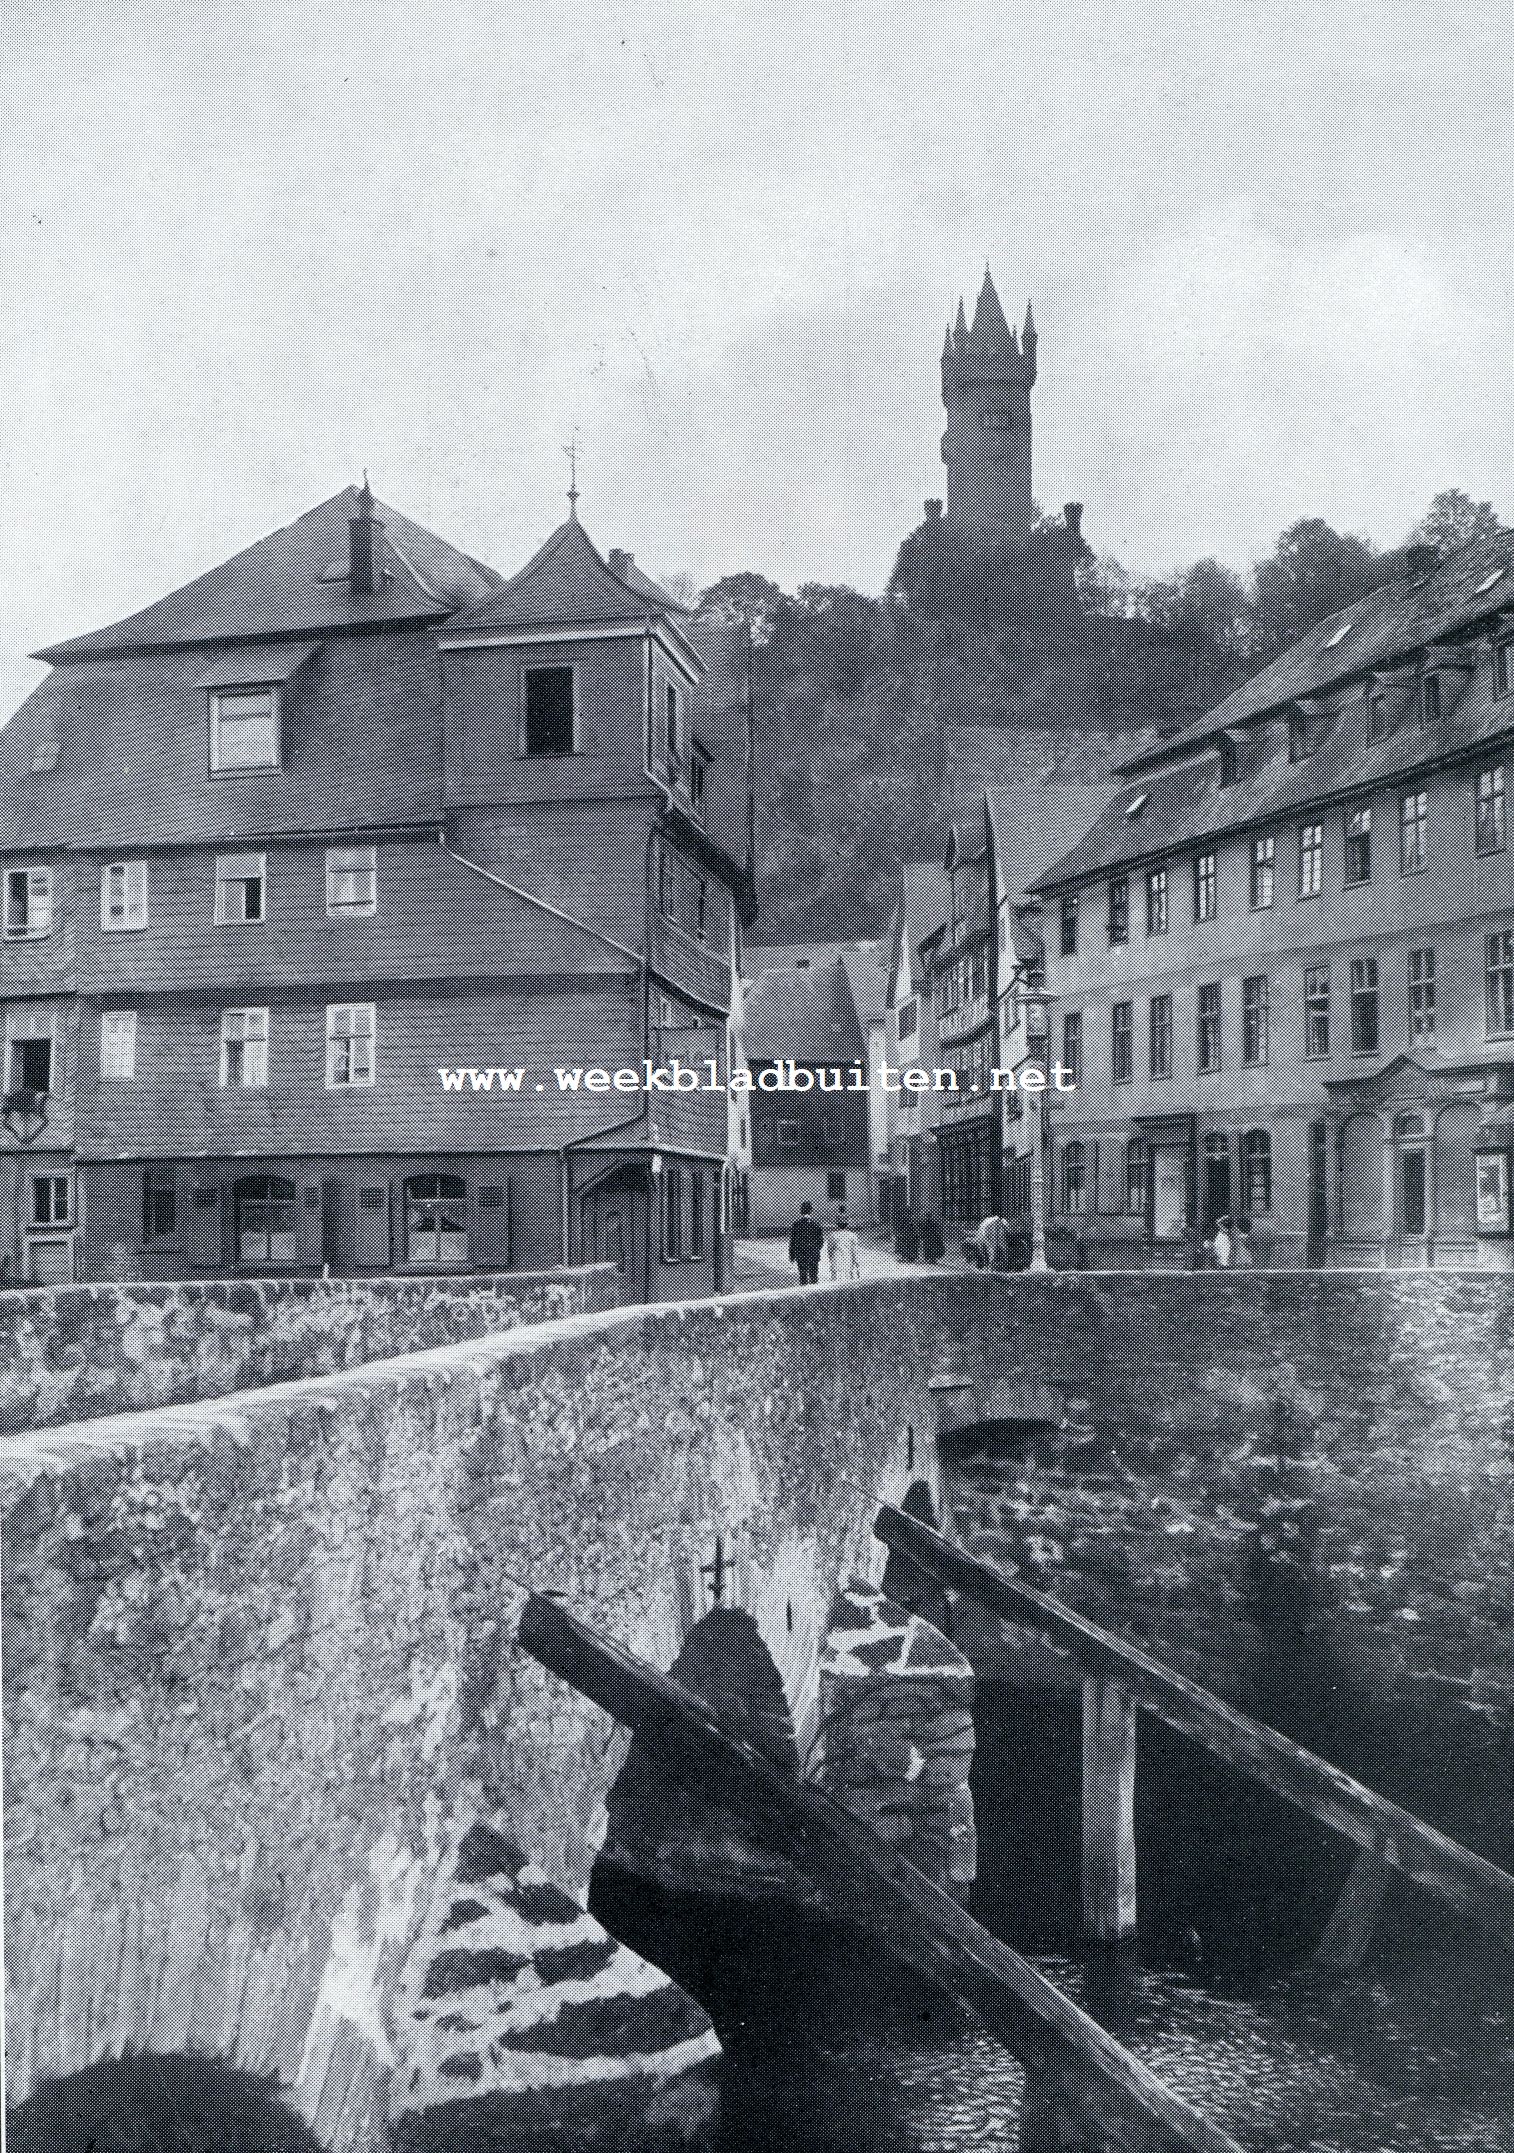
(75, 1352)
(259, 1671)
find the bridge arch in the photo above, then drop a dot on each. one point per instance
(158, 2104)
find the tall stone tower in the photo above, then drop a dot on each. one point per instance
(987, 374)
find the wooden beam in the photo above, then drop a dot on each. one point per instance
(1348, 1932)
(1109, 1769)
(1104, 2095)
(1477, 1888)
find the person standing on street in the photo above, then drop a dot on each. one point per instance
(805, 1243)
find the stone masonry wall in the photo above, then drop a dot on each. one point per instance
(1296, 1487)
(74, 1352)
(259, 1673)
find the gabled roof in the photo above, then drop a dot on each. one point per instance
(1388, 624)
(294, 582)
(1034, 825)
(568, 583)
(809, 1015)
(925, 896)
(866, 971)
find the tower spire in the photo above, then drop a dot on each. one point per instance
(570, 450)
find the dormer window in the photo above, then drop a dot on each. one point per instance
(1503, 667)
(1377, 714)
(1228, 759)
(1300, 736)
(1429, 699)
(547, 710)
(244, 729)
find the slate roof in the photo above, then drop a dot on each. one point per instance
(866, 969)
(1386, 626)
(567, 581)
(926, 899)
(294, 582)
(1036, 824)
(809, 1015)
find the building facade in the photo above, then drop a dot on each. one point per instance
(318, 872)
(1283, 959)
(812, 1116)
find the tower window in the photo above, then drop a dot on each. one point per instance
(547, 726)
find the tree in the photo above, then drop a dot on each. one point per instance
(1311, 572)
(1454, 519)
(745, 596)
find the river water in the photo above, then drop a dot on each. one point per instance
(1412, 2054)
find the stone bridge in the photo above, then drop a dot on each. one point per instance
(285, 1805)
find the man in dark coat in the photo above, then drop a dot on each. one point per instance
(805, 1243)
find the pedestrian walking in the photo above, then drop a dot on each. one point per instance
(805, 1243)
(843, 1250)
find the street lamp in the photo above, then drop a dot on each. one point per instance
(1036, 1003)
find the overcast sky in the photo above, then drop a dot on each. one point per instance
(248, 249)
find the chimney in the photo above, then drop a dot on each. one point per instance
(933, 511)
(364, 530)
(1072, 517)
(620, 562)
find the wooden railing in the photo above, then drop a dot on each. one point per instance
(1119, 1678)
(1083, 2090)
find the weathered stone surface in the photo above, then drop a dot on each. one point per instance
(257, 1652)
(74, 1352)
(521, 2020)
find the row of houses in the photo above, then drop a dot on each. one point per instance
(354, 901)
(1275, 964)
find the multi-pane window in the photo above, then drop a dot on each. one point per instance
(1263, 872)
(1069, 942)
(1122, 1042)
(1160, 1030)
(547, 710)
(1137, 1176)
(1413, 831)
(1421, 994)
(240, 881)
(1311, 859)
(1073, 1170)
(1358, 845)
(1156, 900)
(51, 1203)
(1205, 886)
(349, 1043)
(1499, 957)
(1119, 909)
(1256, 1170)
(1364, 1005)
(123, 896)
(351, 880)
(244, 1049)
(1503, 667)
(436, 1219)
(1209, 1025)
(244, 729)
(1491, 826)
(1072, 1046)
(1317, 1012)
(1255, 1024)
(28, 903)
(118, 1045)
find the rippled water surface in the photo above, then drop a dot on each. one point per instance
(1414, 2055)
